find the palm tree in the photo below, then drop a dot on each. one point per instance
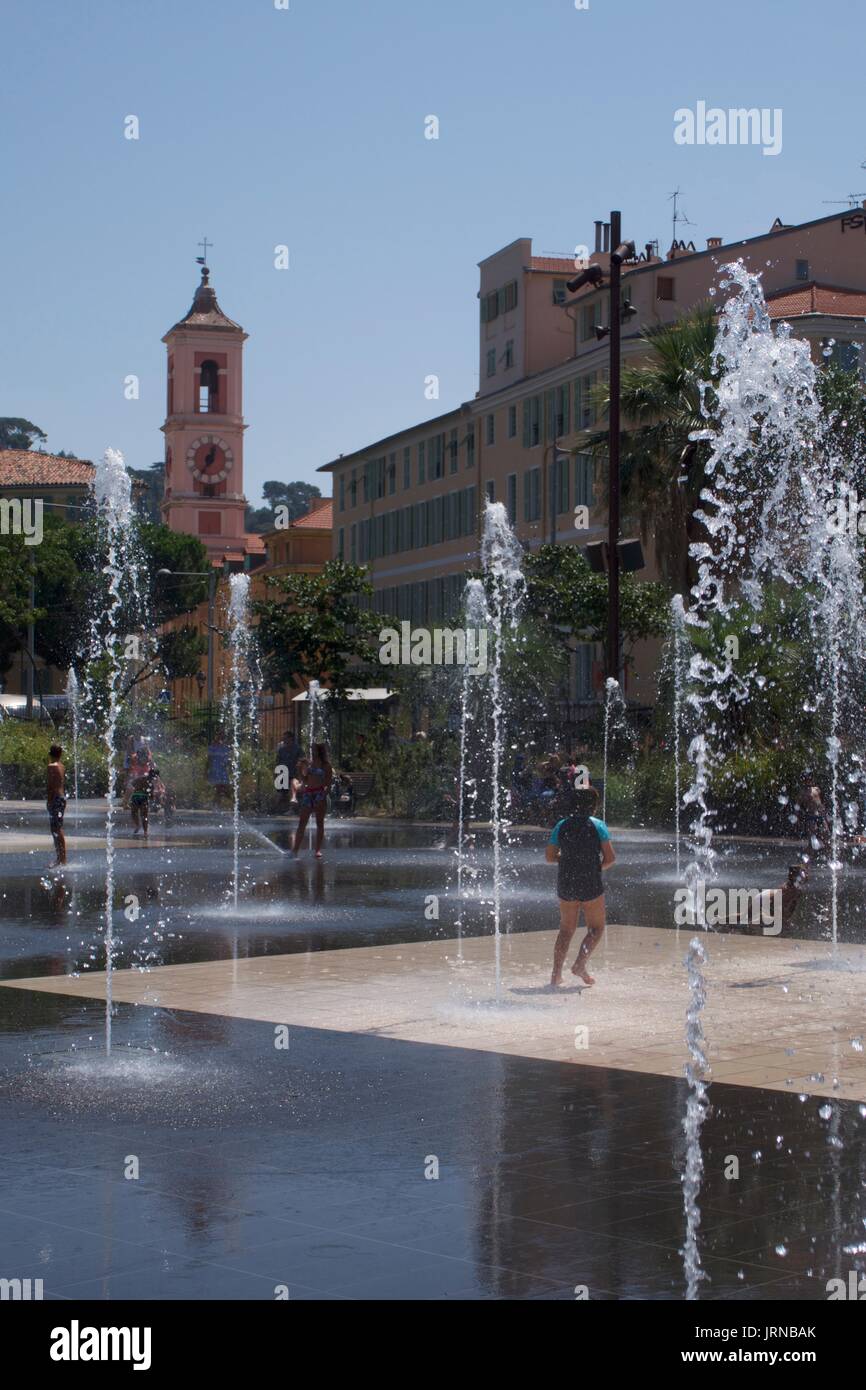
(662, 467)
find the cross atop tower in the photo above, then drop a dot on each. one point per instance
(204, 244)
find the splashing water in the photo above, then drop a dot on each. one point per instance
(241, 678)
(696, 1108)
(477, 617)
(614, 717)
(774, 480)
(313, 735)
(113, 492)
(501, 556)
(679, 647)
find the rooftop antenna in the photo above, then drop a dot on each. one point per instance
(678, 216)
(852, 200)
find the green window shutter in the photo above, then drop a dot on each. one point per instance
(549, 414)
(526, 424)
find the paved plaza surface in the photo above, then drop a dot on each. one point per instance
(321, 1091)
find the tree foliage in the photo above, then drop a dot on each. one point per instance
(570, 600)
(296, 497)
(314, 629)
(16, 433)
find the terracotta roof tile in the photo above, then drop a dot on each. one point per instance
(321, 518)
(813, 298)
(27, 468)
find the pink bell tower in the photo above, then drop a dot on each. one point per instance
(204, 429)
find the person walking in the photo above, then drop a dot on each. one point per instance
(580, 845)
(314, 797)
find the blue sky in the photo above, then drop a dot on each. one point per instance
(305, 127)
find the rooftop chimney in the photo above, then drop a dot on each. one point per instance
(713, 242)
(606, 245)
(598, 236)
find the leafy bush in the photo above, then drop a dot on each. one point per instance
(24, 759)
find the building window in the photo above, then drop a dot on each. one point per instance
(531, 422)
(590, 320)
(510, 296)
(407, 467)
(561, 412)
(511, 497)
(342, 492)
(470, 447)
(490, 490)
(560, 482)
(208, 387)
(491, 361)
(509, 354)
(437, 456)
(802, 270)
(392, 475)
(665, 287)
(584, 410)
(532, 494)
(491, 429)
(353, 489)
(584, 477)
(422, 476)
(353, 545)
(340, 542)
(559, 292)
(452, 452)
(847, 356)
(512, 421)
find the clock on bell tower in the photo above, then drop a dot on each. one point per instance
(204, 428)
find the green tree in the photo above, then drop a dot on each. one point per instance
(315, 628)
(569, 599)
(69, 587)
(296, 497)
(168, 596)
(16, 433)
(177, 654)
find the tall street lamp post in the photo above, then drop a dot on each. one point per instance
(594, 275)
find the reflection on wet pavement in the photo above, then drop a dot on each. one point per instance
(353, 1164)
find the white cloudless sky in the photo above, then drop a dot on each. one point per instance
(305, 127)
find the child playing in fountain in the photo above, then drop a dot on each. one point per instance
(580, 845)
(314, 797)
(139, 799)
(55, 801)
